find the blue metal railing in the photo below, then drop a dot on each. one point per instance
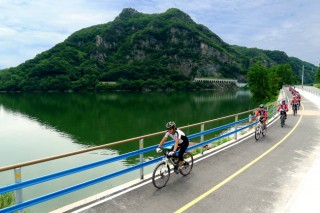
(31, 182)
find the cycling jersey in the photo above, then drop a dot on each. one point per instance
(262, 113)
(283, 106)
(178, 134)
(294, 101)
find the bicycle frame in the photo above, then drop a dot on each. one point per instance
(259, 129)
(168, 159)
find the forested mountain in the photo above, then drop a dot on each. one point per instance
(140, 51)
(270, 58)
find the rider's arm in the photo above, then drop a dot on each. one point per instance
(255, 115)
(162, 141)
(265, 115)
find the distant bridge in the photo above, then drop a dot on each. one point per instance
(220, 81)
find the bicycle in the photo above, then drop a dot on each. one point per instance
(161, 173)
(282, 117)
(294, 108)
(260, 130)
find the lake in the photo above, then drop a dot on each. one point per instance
(39, 125)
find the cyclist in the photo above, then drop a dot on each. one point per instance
(299, 99)
(294, 102)
(284, 106)
(263, 114)
(181, 141)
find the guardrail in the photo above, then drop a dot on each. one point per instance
(312, 92)
(234, 128)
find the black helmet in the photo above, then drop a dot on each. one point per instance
(171, 124)
(261, 106)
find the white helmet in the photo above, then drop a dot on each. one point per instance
(171, 124)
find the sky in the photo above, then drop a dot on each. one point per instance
(29, 27)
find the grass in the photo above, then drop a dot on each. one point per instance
(317, 85)
(212, 145)
(221, 141)
(7, 200)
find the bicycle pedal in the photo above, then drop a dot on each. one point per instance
(176, 171)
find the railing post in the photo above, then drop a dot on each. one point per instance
(235, 128)
(202, 137)
(141, 159)
(18, 193)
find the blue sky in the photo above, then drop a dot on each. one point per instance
(29, 27)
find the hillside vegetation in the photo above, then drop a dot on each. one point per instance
(140, 51)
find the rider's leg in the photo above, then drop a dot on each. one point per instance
(175, 166)
(183, 148)
(175, 157)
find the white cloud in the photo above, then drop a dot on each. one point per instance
(30, 27)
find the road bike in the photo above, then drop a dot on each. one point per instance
(161, 173)
(294, 108)
(260, 130)
(282, 117)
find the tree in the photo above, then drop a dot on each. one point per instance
(258, 81)
(285, 73)
(275, 82)
(317, 76)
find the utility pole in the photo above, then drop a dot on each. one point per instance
(302, 76)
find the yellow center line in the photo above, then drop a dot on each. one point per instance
(191, 203)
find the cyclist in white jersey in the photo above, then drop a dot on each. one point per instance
(181, 141)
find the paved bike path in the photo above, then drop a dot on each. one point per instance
(252, 176)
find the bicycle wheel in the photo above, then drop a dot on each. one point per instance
(282, 120)
(257, 132)
(161, 175)
(264, 131)
(187, 164)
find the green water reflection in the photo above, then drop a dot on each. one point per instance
(96, 119)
